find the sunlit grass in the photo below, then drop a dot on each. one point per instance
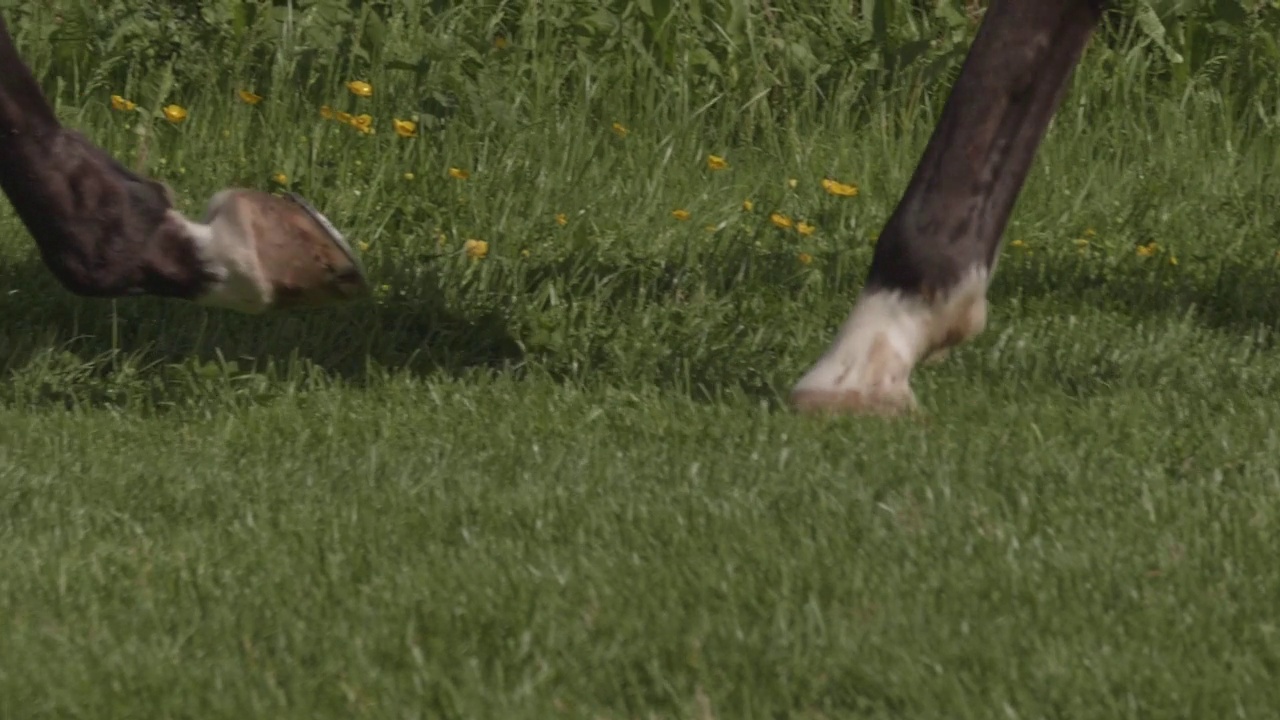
(546, 472)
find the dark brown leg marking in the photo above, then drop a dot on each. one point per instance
(958, 201)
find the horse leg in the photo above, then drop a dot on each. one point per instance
(105, 231)
(927, 286)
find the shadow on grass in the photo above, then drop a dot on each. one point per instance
(1225, 294)
(415, 332)
(740, 322)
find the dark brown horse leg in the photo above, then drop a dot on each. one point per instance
(105, 231)
(927, 286)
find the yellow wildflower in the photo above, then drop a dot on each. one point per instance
(1148, 250)
(364, 246)
(249, 97)
(1090, 232)
(1082, 243)
(1173, 259)
(838, 188)
(711, 228)
(405, 128)
(119, 103)
(715, 162)
(780, 220)
(524, 253)
(475, 249)
(681, 214)
(804, 258)
(620, 130)
(1019, 243)
(342, 117)
(280, 179)
(360, 88)
(805, 228)
(562, 219)
(748, 206)
(408, 176)
(500, 42)
(174, 113)
(363, 122)
(326, 112)
(458, 173)
(792, 183)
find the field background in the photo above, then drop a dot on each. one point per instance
(559, 480)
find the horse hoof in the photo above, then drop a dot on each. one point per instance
(867, 370)
(277, 252)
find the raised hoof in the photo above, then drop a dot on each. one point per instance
(310, 269)
(273, 252)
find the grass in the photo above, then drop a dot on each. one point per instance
(563, 484)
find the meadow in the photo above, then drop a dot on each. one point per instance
(547, 470)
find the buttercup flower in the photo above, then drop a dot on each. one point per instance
(562, 219)
(119, 103)
(748, 206)
(326, 112)
(280, 179)
(1019, 243)
(475, 249)
(805, 228)
(1148, 250)
(840, 189)
(680, 214)
(620, 130)
(792, 182)
(408, 176)
(804, 258)
(249, 97)
(342, 117)
(458, 173)
(360, 88)
(174, 113)
(715, 162)
(363, 122)
(405, 128)
(780, 220)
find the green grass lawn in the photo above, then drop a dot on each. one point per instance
(560, 481)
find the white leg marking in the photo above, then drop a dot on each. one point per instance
(232, 256)
(868, 367)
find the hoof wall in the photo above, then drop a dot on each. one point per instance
(304, 257)
(272, 252)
